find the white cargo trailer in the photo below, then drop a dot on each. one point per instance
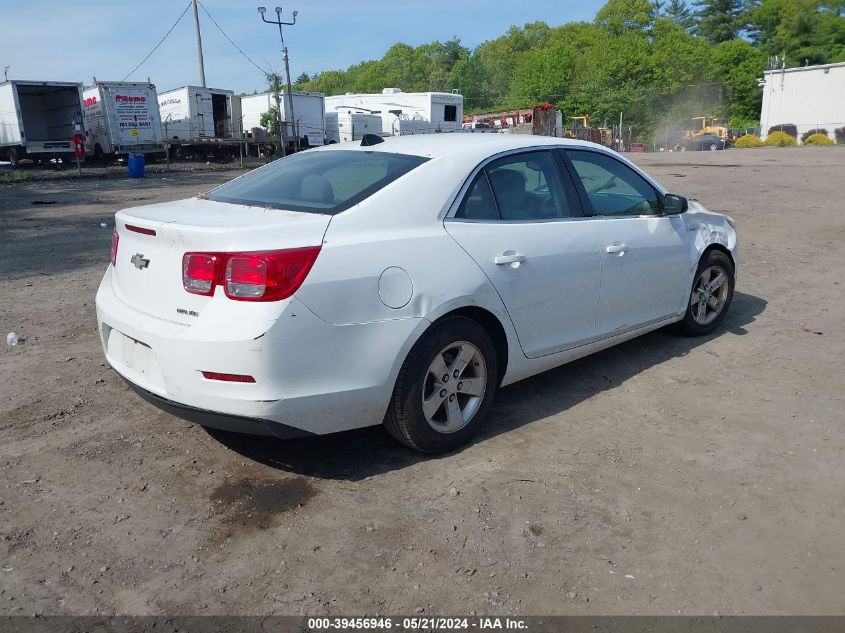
(405, 112)
(121, 118)
(38, 119)
(342, 127)
(308, 107)
(201, 121)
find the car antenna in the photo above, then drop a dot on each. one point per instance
(371, 139)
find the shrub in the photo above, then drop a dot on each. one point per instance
(840, 135)
(787, 128)
(818, 139)
(810, 133)
(748, 141)
(779, 139)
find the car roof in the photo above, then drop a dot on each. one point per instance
(456, 144)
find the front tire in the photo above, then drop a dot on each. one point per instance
(445, 387)
(711, 295)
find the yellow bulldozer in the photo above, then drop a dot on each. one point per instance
(580, 128)
(706, 125)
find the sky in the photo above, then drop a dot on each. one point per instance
(58, 40)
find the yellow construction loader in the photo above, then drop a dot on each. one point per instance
(580, 128)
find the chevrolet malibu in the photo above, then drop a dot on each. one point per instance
(401, 281)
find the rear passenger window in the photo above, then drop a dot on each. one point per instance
(478, 203)
(528, 187)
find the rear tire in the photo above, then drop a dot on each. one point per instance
(445, 387)
(711, 295)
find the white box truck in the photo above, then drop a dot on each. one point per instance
(308, 107)
(342, 127)
(405, 112)
(121, 118)
(201, 121)
(38, 119)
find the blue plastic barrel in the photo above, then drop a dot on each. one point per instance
(136, 165)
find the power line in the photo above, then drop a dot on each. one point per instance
(237, 48)
(188, 6)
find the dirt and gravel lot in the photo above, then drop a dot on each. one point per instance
(667, 475)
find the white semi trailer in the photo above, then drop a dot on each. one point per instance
(201, 121)
(308, 107)
(121, 118)
(38, 119)
(405, 112)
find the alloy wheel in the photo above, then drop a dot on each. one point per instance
(709, 294)
(454, 387)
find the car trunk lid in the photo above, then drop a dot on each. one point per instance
(147, 273)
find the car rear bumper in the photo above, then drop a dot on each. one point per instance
(223, 422)
(311, 377)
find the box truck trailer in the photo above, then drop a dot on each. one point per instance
(342, 127)
(38, 119)
(121, 118)
(200, 121)
(308, 107)
(405, 112)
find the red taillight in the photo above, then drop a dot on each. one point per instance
(246, 276)
(199, 272)
(213, 375)
(140, 229)
(115, 238)
(258, 276)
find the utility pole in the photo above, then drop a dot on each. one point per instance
(199, 44)
(278, 20)
(6, 73)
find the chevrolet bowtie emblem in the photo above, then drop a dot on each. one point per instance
(139, 262)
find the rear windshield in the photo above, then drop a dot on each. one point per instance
(317, 182)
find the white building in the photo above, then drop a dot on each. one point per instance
(810, 97)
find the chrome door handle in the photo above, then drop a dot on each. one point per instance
(509, 259)
(617, 248)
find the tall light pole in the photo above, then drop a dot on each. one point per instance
(279, 22)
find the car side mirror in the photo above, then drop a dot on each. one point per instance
(674, 204)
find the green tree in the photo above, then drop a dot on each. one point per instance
(270, 121)
(614, 75)
(679, 12)
(543, 74)
(498, 58)
(439, 59)
(720, 20)
(367, 76)
(805, 31)
(618, 16)
(739, 64)
(303, 79)
(330, 82)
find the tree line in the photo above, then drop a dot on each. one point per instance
(656, 62)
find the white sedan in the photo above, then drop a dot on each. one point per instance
(401, 281)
